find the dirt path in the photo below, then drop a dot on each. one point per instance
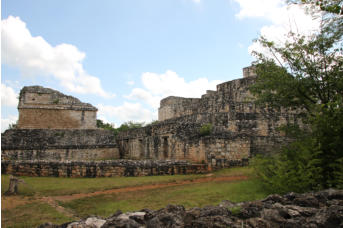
(148, 187)
(52, 202)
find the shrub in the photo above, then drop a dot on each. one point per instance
(205, 129)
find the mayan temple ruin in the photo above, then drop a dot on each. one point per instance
(56, 135)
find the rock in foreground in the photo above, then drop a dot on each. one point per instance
(320, 209)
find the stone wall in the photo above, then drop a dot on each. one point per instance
(44, 108)
(99, 168)
(56, 119)
(44, 144)
(240, 129)
(172, 107)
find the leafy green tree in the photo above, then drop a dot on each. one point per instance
(123, 127)
(331, 6)
(306, 74)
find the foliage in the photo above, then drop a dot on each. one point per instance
(305, 74)
(13, 125)
(124, 127)
(152, 123)
(331, 6)
(205, 129)
(235, 210)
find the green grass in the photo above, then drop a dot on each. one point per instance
(52, 186)
(31, 215)
(195, 195)
(36, 212)
(236, 171)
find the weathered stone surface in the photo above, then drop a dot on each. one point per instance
(107, 168)
(45, 108)
(267, 213)
(240, 129)
(58, 144)
(56, 127)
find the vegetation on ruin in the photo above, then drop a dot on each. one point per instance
(305, 74)
(31, 207)
(205, 129)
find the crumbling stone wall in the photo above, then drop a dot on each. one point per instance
(58, 145)
(99, 168)
(240, 129)
(44, 108)
(56, 127)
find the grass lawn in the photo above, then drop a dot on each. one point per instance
(53, 186)
(29, 210)
(197, 195)
(31, 215)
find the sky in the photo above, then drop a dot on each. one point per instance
(124, 56)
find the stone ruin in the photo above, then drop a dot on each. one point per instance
(56, 135)
(239, 129)
(54, 126)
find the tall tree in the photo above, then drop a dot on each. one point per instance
(306, 74)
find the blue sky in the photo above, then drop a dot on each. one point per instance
(123, 56)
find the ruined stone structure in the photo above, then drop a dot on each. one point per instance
(239, 129)
(56, 127)
(44, 108)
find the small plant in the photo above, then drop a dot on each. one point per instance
(205, 129)
(56, 101)
(60, 134)
(235, 210)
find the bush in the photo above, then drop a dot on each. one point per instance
(313, 161)
(205, 129)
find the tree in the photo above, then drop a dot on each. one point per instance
(123, 127)
(306, 74)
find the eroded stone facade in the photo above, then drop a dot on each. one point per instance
(240, 129)
(44, 108)
(55, 127)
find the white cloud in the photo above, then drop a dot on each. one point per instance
(143, 95)
(8, 96)
(158, 86)
(130, 83)
(5, 122)
(196, 1)
(260, 8)
(126, 112)
(35, 56)
(283, 18)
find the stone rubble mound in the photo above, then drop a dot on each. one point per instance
(319, 209)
